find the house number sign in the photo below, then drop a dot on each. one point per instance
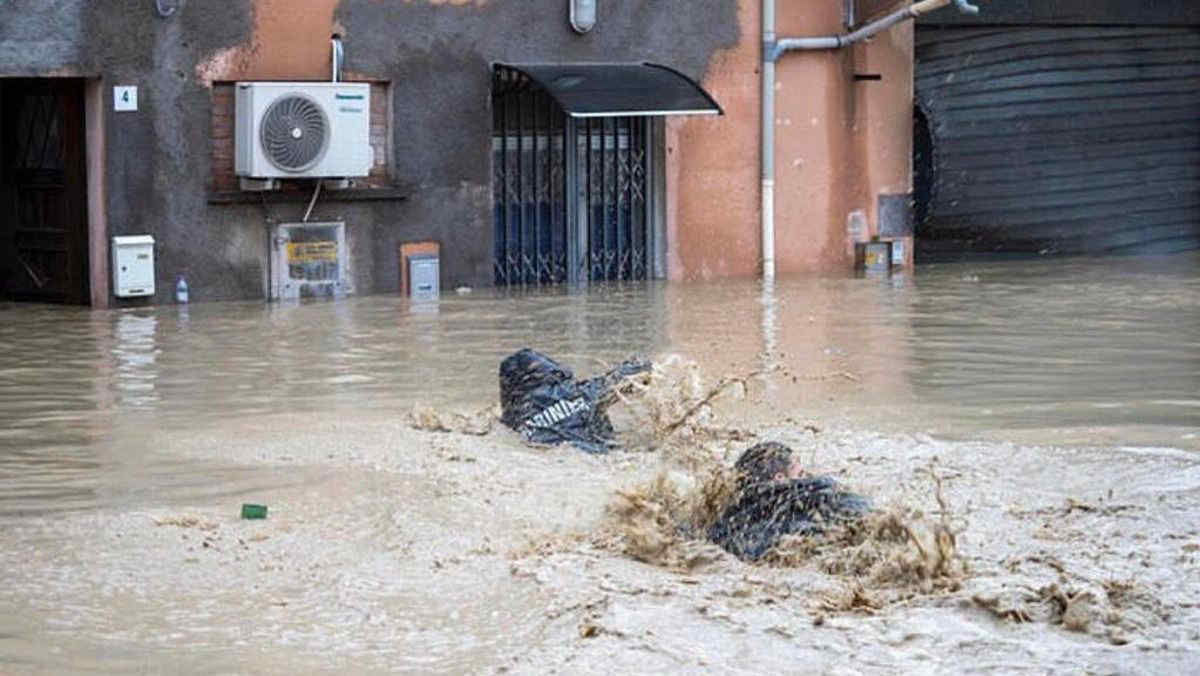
(124, 98)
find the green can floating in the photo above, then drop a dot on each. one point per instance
(250, 511)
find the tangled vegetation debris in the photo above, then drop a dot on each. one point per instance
(889, 555)
(671, 403)
(426, 418)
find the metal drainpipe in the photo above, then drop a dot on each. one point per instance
(164, 12)
(768, 140)
(772, 50)
(336, 57)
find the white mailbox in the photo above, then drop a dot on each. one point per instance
(133, 266)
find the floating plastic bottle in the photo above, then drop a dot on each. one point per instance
(181, 291)
(251, 511)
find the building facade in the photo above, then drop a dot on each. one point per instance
(476, 151)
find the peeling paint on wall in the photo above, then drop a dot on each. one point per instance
(715, 169)
(221, 64)
(297, 33)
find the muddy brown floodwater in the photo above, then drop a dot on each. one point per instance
(1058, 402)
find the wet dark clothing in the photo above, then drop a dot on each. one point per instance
(766, 511)
(541, 399)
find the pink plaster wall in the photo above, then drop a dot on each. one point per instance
(297, 33)
(715, 191)
(838, 144)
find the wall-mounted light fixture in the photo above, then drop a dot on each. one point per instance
(583, 15)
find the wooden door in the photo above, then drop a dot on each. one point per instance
(43, 191)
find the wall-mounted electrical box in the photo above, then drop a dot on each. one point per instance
(310, 260)
(873, 256)
(423, 277)
(133, 266)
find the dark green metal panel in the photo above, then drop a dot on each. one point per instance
(1059, 139)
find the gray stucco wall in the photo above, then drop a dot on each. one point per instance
(438, 58)
(157, 160)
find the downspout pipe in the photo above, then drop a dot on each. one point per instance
(336, 58)
(866, 31)
(772, 49)
(164, 11)
(768, 141)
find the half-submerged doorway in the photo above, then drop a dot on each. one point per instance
(576, 177)
(43, 191)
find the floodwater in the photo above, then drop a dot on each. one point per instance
(131, 437)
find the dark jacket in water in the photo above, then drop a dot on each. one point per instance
(541, 399)
(766, 511)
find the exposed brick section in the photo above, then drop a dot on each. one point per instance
(380, 122)
(223, 176)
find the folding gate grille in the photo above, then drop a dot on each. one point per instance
(566, 211)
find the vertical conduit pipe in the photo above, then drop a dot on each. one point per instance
(768, 140)
(337, 56)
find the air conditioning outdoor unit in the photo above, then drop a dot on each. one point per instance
(302, 129)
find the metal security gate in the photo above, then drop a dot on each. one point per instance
(566, 211)
(612, 153)
(1058, 139)
(528, 183)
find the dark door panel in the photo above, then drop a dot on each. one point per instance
(43, 191)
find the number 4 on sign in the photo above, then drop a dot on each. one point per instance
(124, 98)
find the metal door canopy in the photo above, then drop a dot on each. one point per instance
(620, 90)
(309, 260)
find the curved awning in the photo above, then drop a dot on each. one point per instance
(619, 90)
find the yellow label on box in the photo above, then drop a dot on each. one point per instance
(312, 252)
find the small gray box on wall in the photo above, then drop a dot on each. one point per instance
(895, 215)
(423, 274)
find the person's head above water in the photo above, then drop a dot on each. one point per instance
(767, 461)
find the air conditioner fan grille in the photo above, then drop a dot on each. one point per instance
(294, 132)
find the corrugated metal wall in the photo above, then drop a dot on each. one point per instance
(1060, 139)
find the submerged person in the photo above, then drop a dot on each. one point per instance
(774, 499)
(541, 399)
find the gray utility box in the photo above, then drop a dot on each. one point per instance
(310, 260)
(424, 271)
(133, 266)
(873, 256)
